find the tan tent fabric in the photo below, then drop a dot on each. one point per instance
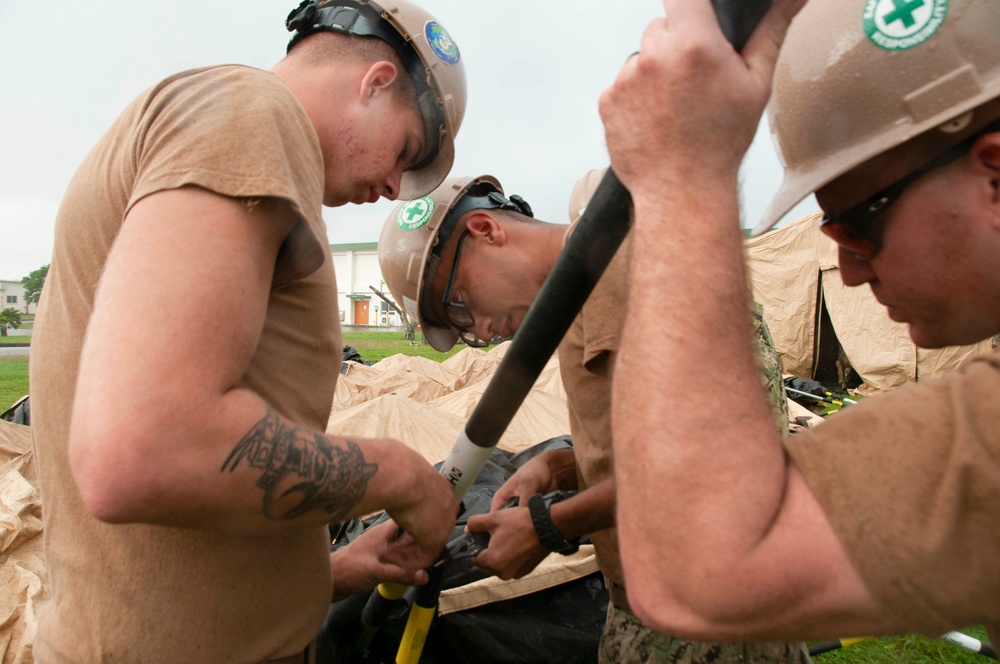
(426, 404)
(789, 268)
(798, 413)
(784, 278)
(420, 378)
(552, 571)
(475, 364)
(22, 565)
(423, 428)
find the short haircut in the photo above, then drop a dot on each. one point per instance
(325, 46)
(512, 216)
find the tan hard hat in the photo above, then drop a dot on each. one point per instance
(432, 60)
(858, 78)
(409, 249)
(583, 191)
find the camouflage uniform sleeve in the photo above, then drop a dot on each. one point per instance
(770, 365)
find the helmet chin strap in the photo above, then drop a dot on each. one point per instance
(479, 196)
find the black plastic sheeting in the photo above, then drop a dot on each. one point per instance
(806, 385)
(559, 624)
(350, 354)
(19, 413)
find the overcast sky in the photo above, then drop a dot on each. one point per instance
(535, 70)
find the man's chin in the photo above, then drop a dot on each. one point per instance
(335, 201)
(930, 337)
(340, 199)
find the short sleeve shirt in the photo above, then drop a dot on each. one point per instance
(138, 592)
(910, 480)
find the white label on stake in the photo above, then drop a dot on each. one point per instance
(464, 463)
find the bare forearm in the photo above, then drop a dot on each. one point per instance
(586, 512)
(720, 536)
(229, 463)
(691, 264)
(162, 430)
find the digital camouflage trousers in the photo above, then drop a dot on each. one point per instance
(626, 640)
(770, 366)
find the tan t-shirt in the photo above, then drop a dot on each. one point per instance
(911, 482)
(586, 361)
(141, 593)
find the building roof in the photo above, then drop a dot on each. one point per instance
(354, 246)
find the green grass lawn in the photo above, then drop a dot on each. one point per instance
(375, 346)
(909, 649)
(13, 380)
(372, 346)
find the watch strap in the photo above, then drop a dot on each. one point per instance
(548, 534)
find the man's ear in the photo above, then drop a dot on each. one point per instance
(481, 223)
(378, 79)
(986, 152)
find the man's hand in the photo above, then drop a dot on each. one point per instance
(555, 469)
(376, 556)
(426, 510)
(533, 477)
(514, 548)
(688, 105)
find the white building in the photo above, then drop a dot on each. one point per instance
(356, 266)
(12, 295)
(357, 270)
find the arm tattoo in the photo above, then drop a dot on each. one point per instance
(302, 469)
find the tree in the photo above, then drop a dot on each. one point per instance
(409, 328)
(33, 285)
(9, 317)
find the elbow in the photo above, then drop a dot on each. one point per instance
(689, 602)
(664, 612)
(696, 621)
(111, 486)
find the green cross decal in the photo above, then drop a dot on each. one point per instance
(903, 12)
(415, 214)
(416, 209)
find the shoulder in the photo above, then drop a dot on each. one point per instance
(235, 87)
(227, 114)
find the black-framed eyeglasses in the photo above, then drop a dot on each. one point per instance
(479, 196)
(852, 229)
(459, 316)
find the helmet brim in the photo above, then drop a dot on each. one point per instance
(420, 182)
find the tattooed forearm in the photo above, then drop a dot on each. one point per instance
(302, 470)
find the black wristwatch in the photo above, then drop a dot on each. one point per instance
(548, 534)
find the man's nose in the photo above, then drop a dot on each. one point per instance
(854, 271)
(391, 185)
(483, 329)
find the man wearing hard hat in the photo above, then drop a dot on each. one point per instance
(883, 519)
(468, 262)
(187, 345)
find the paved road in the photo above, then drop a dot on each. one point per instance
(23, 350)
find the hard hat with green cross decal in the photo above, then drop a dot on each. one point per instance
(414, 236)
(857, 79)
